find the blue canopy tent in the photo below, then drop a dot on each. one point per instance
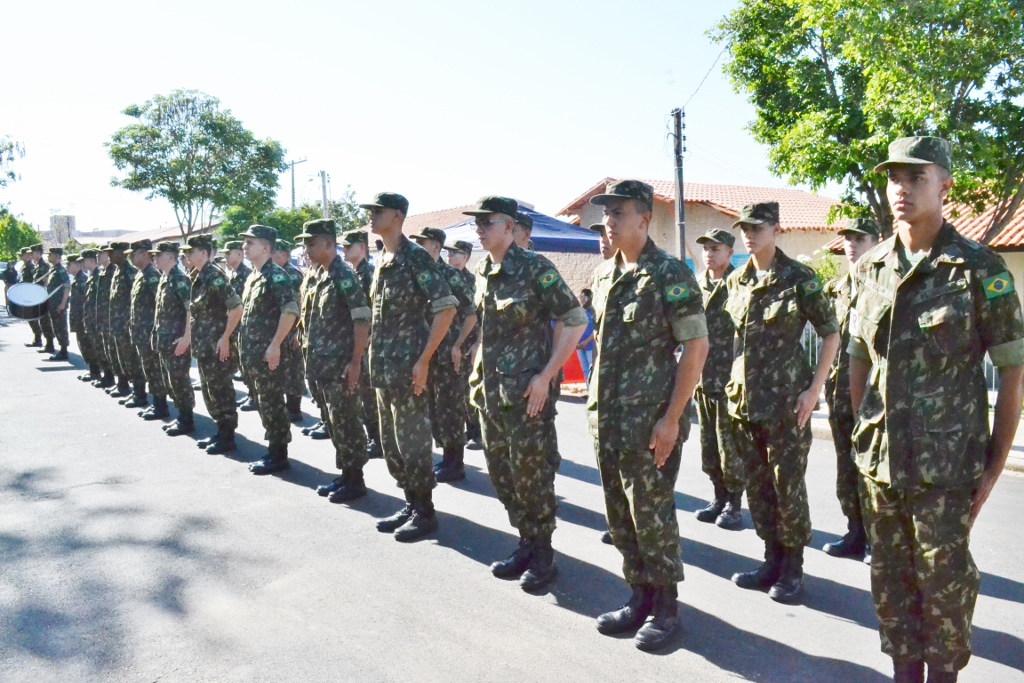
(549, 234)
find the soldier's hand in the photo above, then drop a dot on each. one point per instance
(181, 346)
(273, 356)
(223, 349)
(352, 375)
(536, 394)
(456, 357)
(805, 405)
(980, 495)
(296, 343)
(663, 440)
(419, 377)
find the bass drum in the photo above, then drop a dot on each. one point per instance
(27, 301)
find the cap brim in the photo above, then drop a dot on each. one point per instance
(459, 249)
(372, 206)
(248, 234)
(480, 212)
(304, 236)
(596, 227)
(750, 221)
(853, 231)
(913, 161)
(603, 199)
(704, 239)
(154, 252)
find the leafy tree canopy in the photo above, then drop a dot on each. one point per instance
(15, 234)
(288, 222)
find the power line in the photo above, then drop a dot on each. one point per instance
(706, 75)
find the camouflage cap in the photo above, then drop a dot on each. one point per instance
(718, 236)
(388, 200)
(435, 234)
(231, 245)
(919, 150)
(461, 246)
(37, 247)
(26, 250)
(627, 189)
(597, 227)
(165, 248)
(218, 259)
(355, 237)
(116, 246)
(199, 242)
(263, 232)
(283, 245)
(74, 258)
(758, 214)
(860, 226)
(321, 226)
(59, 251)
(485, 206)
(525, 220)
(88, 253)
(141, 244)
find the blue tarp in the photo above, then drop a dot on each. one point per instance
(549, 234)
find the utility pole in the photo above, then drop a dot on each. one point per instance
(679, 125)
(292, 164)
(323, 190)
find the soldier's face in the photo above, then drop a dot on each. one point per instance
(355, 253)
(73, 268)
(195, 258)
(54, 259)
(104, 259)
(521, 236)
(89, 264)
(166, 260)
(282, 258)
(757, 238)
(716, 256)
(457, 259)
(494, 231)
(607, 250)
(916, 192)
(384, 220)
(25, 258)
(255, 248)
(140, 258)
(624, 223)
(855, 244)
(37, 256)
(234, 258)
(431, 247)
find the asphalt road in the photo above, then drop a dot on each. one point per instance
(126, 555)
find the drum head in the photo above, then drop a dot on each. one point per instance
(27, 294)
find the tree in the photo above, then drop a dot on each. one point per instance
(15, 234)
(834, 81)
(10, 150)
(288, 222)
(201, 159)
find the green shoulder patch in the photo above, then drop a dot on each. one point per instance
(278, 278)
(423, 278)
(676, 292)
(345, 284)
(549, 278)
(219, 282)
(812, 286)
(183, 285)
(455, 280)
(153, 279)
(997, 285)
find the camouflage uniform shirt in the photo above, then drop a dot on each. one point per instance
(173, 298)
(338, 302)
(268, 295)
(212, 298)
(837, 388)
(76, 304)
(121, 298)
(721, 334)
(143, 308)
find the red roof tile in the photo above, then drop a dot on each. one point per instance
(799, 210)
(445, 218)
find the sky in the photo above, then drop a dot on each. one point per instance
(441, 101)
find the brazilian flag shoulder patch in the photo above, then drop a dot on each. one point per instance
(278, 278)
(548, 278)
(455, 280)
(997, 285)
(345, 284)
(676, 292)
(812, 286)
(423, 278)
(219, 282)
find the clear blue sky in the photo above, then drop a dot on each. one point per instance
(441, 101)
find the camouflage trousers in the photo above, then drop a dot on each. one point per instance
(344, 424)
(641, 509)
(37, 329)
(405, 438)
(86, 347)
(371, 421)
(923, 580)
(522, 458)
(719, 456)
(293, 370)
(269, 387)
(847, 475)
(218, 390)
(775, 457)
(46, 327)
(128, 356)
(317, 394)
(58, 327)
(152, 370)
(447, 408)
(110, 351)
(175, 371)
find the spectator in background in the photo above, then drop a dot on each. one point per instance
(585, 349)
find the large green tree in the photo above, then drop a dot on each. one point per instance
(201, 159)
(288, 222)
(14, 235)
(834, 81)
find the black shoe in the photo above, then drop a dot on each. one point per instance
(542, 569)
(475, 445)
(208, 441)
(663, 622)
(121, 390)
(104, 382)
(320, 433)
(183, 425)
(423, 521)
(446, 460)
(715, 507)
(307, 430)
(867, 555)
(790, 584)
(373, 450)
(389, 524)
(606, 537)
(269, 465)
(907, 672)
(517, 563)
(630, 616)
(765, 576)
(136, 401)
(34, 343)
(853, 544)
(48, 349)
(327, 489)
(731, 516)
(249, 405)
(293, 404)
(296, 418)
(158, 411)
(353, 486)
(456, 469)
(225, 444)
(941, 676)
(61, 355)
(89, 377)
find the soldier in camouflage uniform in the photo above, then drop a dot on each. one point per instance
(171, 336)
(40, 271)
(337, 333)
(718, 455)
(458, 256)
(772, 392)
(269, 311)
(929, 304)
(859, 235)
(291, 352)
(238, 273)
(447, 371)
(28, 269)
(103, 317)
(518, 294)
(407, 288)
(77, 266)
(356, 245)
(91, 322)
(214, 314)
(120, 326)
(307, 292)
(522, 230)
(141, 320)
(58, 280)
(646, 304)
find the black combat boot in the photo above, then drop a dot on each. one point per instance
(321, 433)
(765, 576)
(48, 348)
(307, 430)
(294, 406)
(389, 524)
(630, 616)
(105, 381)
(731, 516)
(373, 449)
(36, 341)
(446, 459)
(423, 521)
(224, 442)
(353, 486)
(663, 622)
(122, 389)
(208, 441)
(517, 562)
(250, 404)
(542, 569)
(59, 356)
(94, 374)
(907, 671)
(139, 398)
(715, 507)
(185, 424)
(276, 460)
(325, 490)
(158, 411)
(941, 676)
(853, 544)
(606, 537)
(867, 555)
(456, 469)
(790, 585)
